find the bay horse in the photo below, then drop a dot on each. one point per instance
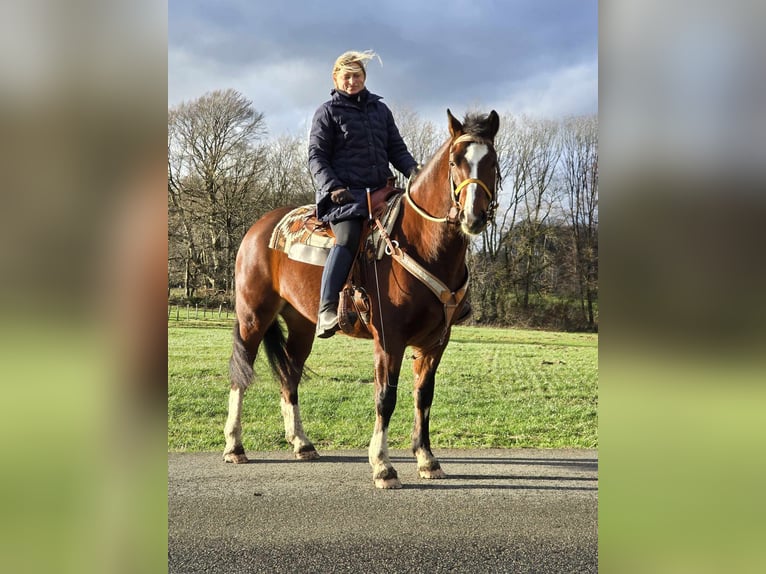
(450, 200)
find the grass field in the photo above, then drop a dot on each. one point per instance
(494, 388)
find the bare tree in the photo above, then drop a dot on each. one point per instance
(423, 138)
(182, 247)
(213, 163)
(511, 195)
(490, 262)
(580, 175)
(285, 179)
(539, 155)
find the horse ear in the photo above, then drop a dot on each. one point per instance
(494, 123)
(455, 127)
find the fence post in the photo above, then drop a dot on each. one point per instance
(220, 308)
(187, 311)
(178, 310)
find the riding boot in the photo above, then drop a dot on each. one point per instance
(334, 276)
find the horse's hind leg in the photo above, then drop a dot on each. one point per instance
(423, 392)
(241, 375)
(234, 451)
(300, 339)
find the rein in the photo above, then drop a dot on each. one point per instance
(377, 287)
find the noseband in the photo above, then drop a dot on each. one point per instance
(456, 209)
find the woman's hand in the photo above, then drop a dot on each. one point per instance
(341, 196)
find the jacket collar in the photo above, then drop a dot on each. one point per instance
(365, 96)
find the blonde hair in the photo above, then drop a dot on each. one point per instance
(349, 61)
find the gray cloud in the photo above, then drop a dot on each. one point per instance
(523, 57)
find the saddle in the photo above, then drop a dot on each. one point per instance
(305, 238)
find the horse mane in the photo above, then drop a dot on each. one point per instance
(478, 125)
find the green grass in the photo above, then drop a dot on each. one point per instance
(494, 388)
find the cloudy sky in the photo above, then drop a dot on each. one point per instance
(535, 57)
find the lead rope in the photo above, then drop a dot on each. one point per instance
(377, 288)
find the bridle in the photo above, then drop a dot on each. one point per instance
(456, 209)
(450, 300)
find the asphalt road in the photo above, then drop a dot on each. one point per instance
(497, 511)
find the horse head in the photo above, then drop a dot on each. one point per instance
(474, 174)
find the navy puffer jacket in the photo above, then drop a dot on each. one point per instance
(352, 141)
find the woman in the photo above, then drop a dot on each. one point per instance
(352, 141)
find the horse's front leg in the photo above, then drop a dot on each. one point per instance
(387, 367)
(423, 392)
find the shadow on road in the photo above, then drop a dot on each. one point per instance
(445, 485)
(590, 464)
(575, 474)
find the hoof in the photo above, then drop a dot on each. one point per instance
(307, 455)
(235, 458)
(387, 483)
(386, 478)
(431, 473)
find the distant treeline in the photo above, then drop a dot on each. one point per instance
(537, 266)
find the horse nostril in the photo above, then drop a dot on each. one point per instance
(473, 222)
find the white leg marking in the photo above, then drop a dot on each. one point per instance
(378, 453)
(421, 454)
(294, 433)
(428, 466)
(423, 458)
(233, 428)
(383, 473)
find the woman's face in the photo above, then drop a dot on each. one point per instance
(349, 81)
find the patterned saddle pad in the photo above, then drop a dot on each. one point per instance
(300, 236)
(304, 238)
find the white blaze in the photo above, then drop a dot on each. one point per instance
(474, 153)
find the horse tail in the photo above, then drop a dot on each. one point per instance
(241, 362)
(280, 362)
